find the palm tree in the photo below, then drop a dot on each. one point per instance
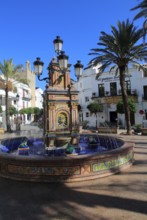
(120, 48)
(8, 70)
(142, 6)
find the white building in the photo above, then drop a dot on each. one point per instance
(106, 89)
(20, 97)
(39, 97)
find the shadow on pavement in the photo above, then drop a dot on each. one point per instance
(56, 201)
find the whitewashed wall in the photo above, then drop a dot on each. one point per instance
(87, 85)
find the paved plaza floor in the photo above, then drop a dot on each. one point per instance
(122, 196)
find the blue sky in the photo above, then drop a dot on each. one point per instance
(28, 28)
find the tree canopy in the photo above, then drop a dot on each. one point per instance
(119, 48)
(131, 104)
(12, 110)
(31, 110)
(95, 107)
(142, 6)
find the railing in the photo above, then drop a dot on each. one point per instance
(117, 93)
(115, 98)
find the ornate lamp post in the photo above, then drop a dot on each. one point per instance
(60, 98)
(62, 61)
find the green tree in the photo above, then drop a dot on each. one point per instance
(117, 50)
(37, 111)
(95, 108)
(0, 109)
(31, 110)
(142, 6)
(131, 105)
(12, 110)
(9, 71)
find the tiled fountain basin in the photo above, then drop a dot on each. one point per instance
(68, 168)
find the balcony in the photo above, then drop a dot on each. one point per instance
(108, 98)
(26, 97)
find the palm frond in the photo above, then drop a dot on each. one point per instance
(142, 6)
(114, 68)
(139, 66)
(119, 48)
(9, 70)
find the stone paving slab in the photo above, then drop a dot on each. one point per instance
(122, 196)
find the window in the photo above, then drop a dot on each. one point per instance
(145, 71)
(93, 94)
(25, 93)
(29, 117)
(101, 90)
(145, 92)
(86, 99)
(145, 74)
(113, 88)
(87, 114)
(128, 87)
(145, 115)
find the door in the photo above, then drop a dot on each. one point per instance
(113, 117)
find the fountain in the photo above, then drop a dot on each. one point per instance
(61, 153)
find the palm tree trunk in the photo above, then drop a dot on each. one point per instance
(125, 99)
(7, 109)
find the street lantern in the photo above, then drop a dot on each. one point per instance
(38, 67)
(17, 97)
(58, 44)
(78, 67)
(63, 61)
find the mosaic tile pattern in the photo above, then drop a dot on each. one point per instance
(70, 171)
(108, 164)
(53, 171)
(76, 168)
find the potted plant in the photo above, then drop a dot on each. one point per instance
(137, 128)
